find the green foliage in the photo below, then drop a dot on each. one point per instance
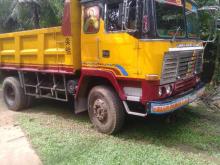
(29, 14)
(51, 13)
(207, 19)
(4, 12)
(208, 32)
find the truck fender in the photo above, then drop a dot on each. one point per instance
(86, 82)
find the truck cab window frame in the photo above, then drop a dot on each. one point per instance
(91, 19)
(113, 22)
(163, 21)
(192, 20)
(114, 16)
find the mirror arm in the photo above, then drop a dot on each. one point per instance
(126, 8)
(137, 14)
(124, 14)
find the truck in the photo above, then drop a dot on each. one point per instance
(111, 57)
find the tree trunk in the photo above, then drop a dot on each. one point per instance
(218, 57)
(36, 17)
(217, 63)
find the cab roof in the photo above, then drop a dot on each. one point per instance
(85, 1)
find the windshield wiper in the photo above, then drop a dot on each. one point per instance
(174, 36)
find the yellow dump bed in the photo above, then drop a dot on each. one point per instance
(45, 50)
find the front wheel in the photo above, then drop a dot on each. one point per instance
(106, 111)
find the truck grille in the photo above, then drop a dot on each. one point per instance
(184, 85)
(181, 65)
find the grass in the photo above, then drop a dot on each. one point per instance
(60, 137)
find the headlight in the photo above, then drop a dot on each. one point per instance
(160, 91)
(168, 89)
(165, 90)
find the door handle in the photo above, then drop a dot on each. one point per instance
(105, 53)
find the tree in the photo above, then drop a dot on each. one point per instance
(29, 14)
(208, 32)
(4, 12)
(17, 5)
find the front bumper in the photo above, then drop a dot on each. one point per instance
(172, 104)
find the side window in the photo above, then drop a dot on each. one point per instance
(114, 17)
(91, 19)
(122, 16)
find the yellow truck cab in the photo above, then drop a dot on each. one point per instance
(139, 57)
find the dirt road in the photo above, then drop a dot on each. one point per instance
(14, 146)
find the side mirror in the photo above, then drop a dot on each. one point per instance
(209, 8)
(213, 26)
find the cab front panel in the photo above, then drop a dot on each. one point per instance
(131, 57)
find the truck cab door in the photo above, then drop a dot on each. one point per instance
(90, 39)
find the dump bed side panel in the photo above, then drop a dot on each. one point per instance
(38, 50)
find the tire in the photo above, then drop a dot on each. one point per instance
(106, 111)
(29, 101)
(13, 94)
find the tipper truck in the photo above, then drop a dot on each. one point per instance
(112, 57)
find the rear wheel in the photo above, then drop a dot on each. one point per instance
(29, 101)
(13, 94)
(106, 111)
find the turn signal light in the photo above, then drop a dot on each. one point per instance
(152, 77)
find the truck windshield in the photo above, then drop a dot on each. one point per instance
(192, 20)
(170, 18)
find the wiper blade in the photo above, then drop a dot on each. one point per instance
(174, 36)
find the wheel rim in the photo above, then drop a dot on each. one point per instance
(10, 94)
(100, 110)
